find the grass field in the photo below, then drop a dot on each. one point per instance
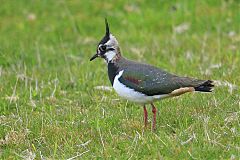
(50, 107)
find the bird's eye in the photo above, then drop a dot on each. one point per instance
(102, 48)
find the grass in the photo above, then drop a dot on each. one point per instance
(50, 109)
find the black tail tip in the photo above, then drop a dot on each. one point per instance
(206, 86)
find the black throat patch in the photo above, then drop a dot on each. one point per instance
(112, 71)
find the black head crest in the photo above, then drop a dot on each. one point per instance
(107, 27)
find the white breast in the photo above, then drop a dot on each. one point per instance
(131, 94)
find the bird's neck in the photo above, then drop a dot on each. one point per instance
(112, 71)
(113, 56)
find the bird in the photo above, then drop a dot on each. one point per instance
(143, 83)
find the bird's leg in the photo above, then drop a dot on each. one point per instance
(154, 111)
(145, 116)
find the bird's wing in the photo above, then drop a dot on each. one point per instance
(153, 81)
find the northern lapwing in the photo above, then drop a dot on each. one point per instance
(143, 83)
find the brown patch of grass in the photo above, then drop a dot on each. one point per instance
(14, 137)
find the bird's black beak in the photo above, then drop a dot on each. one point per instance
(94, 56)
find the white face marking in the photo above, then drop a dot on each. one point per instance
(110, 55)
(132, 95)
(111, 43)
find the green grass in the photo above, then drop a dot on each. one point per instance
(50, 109)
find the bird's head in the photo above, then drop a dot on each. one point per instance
(108, 47)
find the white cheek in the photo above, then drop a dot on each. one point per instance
(110, 55)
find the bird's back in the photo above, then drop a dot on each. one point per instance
(148, 79)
